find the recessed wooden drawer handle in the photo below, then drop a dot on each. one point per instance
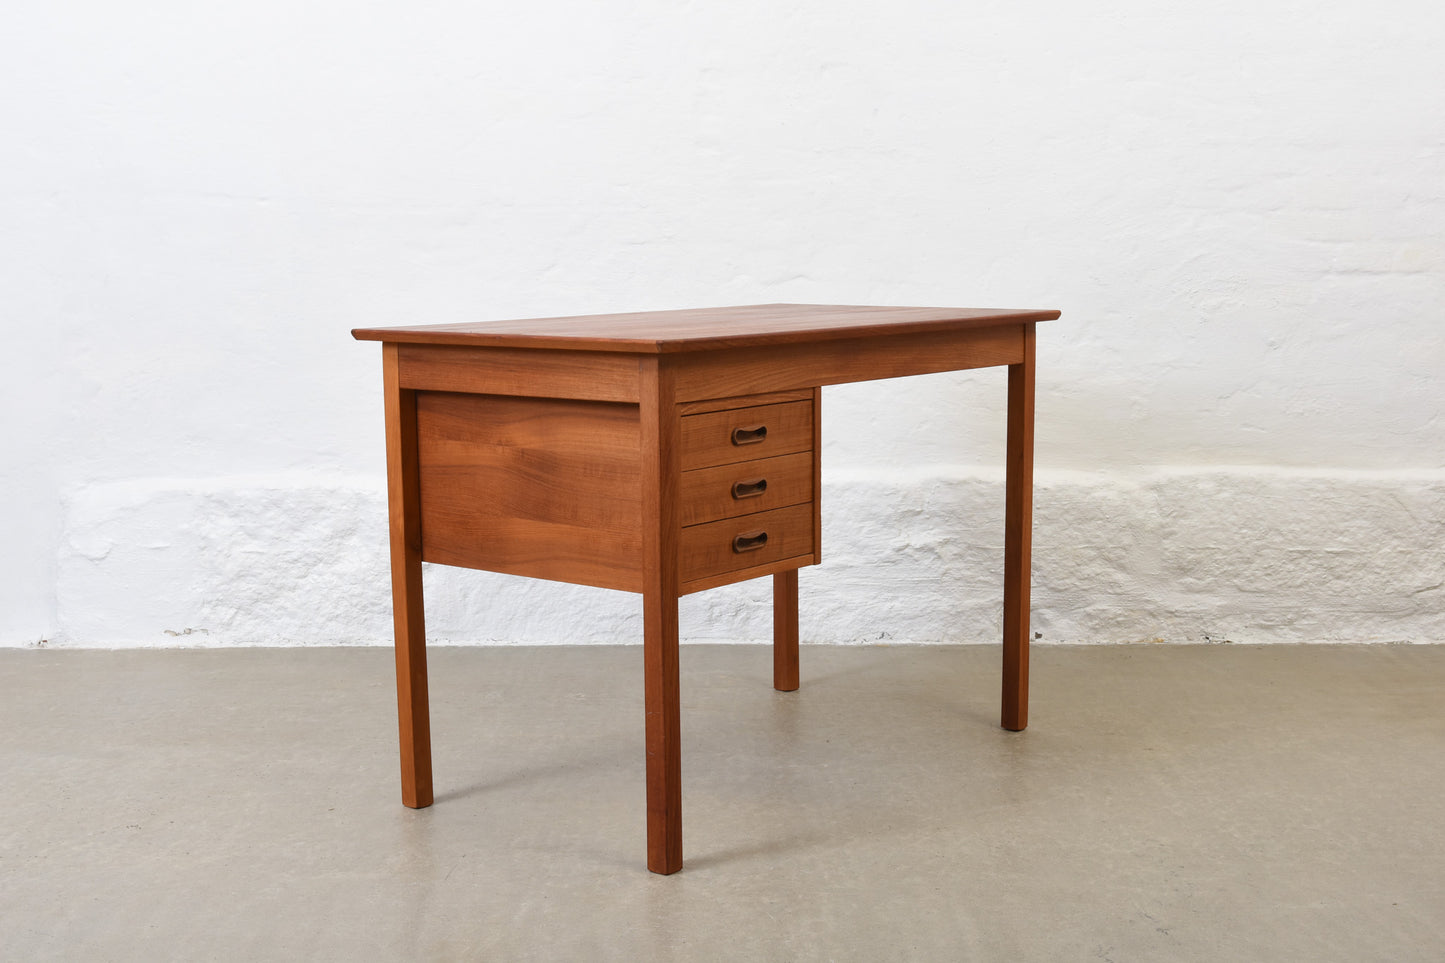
(749, 541)
(751, 488)
(750, 436)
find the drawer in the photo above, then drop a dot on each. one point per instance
(746, 487)
(746, 434)
(738, 543)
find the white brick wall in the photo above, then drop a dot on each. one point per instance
(1179, 556)
(1238, 207)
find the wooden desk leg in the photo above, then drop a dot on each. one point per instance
(404, 511)
(664, 732)
(1018, 536)
(661, 444)
(785, 630)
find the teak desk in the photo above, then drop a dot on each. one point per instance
(661, 453)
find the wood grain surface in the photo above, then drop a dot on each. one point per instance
(529, 486)
(705, 329)
(709, 440)
(709, 494)
(408, 618)
(707, 550)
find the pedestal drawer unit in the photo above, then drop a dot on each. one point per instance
(550, 488)
(749, 492)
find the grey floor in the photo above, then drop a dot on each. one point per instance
(1167, 803)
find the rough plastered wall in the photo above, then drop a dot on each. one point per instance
(1239, 207)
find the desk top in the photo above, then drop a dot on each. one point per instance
(705, 329)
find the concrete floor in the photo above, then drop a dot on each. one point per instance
(1167, 803)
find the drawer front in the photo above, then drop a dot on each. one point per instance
(738, 543)
(746, 487)
(746, 434)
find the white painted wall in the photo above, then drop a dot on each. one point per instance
(1240, 207)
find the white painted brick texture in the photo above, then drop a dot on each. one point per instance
(1240, 208)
